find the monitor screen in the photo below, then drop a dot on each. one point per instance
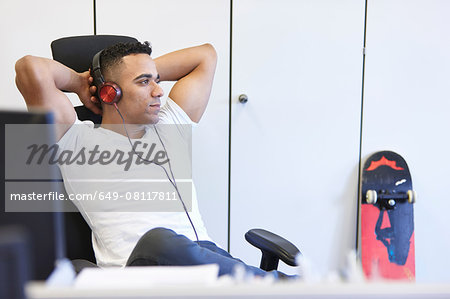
(45, 238)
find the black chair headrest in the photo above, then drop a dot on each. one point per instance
(77, 52)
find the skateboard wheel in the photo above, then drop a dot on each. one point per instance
(412, 196)
(371, 196)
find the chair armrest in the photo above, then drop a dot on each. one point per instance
(273, 248)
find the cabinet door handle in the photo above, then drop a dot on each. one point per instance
(243, 98)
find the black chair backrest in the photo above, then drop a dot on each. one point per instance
(77, 53)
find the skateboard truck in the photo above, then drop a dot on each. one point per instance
(386, 200)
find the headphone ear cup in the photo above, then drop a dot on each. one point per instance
(109, 93)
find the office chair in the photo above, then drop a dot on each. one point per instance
(77, 53)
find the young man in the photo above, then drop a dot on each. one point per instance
(123, 236)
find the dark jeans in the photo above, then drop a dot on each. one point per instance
(164, 247)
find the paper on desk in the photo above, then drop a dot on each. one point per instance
(140, 277)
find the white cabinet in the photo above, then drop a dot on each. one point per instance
(406, 107)
(295, 143)
(28, 27)
(172, 25)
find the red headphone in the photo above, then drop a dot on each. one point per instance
(108, 92)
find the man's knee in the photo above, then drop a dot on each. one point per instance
(158, 246)
(155, 240)
(157, 234)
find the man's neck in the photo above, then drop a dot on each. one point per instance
(133, 131)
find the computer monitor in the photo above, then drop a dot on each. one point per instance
(45, 230)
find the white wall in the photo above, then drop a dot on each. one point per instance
(406, 107)
(28, 27)
(295, 143)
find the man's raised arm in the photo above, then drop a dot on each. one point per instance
(194, 69)
(40, 80)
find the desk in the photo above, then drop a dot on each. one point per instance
(279, 290)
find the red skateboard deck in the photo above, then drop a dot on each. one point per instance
(386, 218)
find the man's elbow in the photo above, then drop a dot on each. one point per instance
(26, 64)
(209, 61)
(30, 73)
(210, 52)
(26, 69)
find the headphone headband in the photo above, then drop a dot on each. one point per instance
(96, 69)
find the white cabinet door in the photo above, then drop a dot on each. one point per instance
(28, 27)
(171, 25)
(295, 143)
(406, 107)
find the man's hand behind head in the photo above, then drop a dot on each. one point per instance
(87, 93)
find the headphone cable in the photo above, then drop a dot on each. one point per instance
(172, 181)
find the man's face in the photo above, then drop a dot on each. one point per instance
(138, 78)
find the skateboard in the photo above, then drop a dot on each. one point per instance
(386, 219)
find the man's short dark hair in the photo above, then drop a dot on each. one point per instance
(113, 55)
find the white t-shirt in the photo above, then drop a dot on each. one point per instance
(116, 198)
